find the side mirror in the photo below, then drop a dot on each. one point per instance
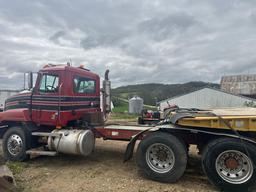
(30, 80)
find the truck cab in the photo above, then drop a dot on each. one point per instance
(62, 95)
(58, 112)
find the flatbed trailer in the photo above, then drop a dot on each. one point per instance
(211, 130)
(62, 114)
(225, 120)
(229, 121)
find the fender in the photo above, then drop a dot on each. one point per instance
(130, 147)
(13, 116)
(16, 115)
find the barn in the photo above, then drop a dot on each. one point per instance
(239, 84)
(207, 98)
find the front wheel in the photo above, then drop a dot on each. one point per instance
(14, 144)
(162, 157)
(230, 164)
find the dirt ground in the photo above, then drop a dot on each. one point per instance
(102, 171)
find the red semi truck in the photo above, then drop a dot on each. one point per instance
(62, 114)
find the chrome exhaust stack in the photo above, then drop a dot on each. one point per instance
(106, 93)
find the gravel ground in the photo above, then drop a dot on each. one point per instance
(102, 171)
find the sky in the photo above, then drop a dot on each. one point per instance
(161, 41)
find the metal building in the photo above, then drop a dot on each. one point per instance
(239, 84)
(4, 94)
(207, 98)
(135, 105)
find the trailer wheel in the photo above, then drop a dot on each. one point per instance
(162, 157)
(14, 144)
(229, 164)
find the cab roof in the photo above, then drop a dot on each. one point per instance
(64, 67)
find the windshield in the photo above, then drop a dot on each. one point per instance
(49, 83)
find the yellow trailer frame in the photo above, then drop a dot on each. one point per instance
(240, 119)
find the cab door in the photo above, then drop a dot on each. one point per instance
(46, 99)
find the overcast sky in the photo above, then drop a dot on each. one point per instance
(140, 41)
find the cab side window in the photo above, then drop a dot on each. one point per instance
(49, 83)
(84, 85)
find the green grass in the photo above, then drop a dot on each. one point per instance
(121, 106)
(121, 109)
(124, 116)
(16, 167)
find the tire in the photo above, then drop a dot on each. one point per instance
(165, 146)
(230, 166)
(15, 135)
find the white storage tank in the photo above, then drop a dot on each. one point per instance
(135, 105)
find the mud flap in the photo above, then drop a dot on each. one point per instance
(130, 147)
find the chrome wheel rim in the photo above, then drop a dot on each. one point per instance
(234, 167)
(160, 158)
(14, 144)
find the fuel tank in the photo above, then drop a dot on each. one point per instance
(77, 142)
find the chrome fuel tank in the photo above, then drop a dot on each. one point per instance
(79, 142)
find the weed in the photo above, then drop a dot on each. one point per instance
(16, 167)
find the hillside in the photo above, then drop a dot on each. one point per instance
(153, 92)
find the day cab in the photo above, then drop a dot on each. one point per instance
(62, 95)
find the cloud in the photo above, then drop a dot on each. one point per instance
(164, 28)
(55, 37)
(139, 41)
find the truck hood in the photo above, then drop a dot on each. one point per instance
(18, 101)
(14, 115)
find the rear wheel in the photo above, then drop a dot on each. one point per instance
(15, 144)
(162, 157)
(229, 164)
